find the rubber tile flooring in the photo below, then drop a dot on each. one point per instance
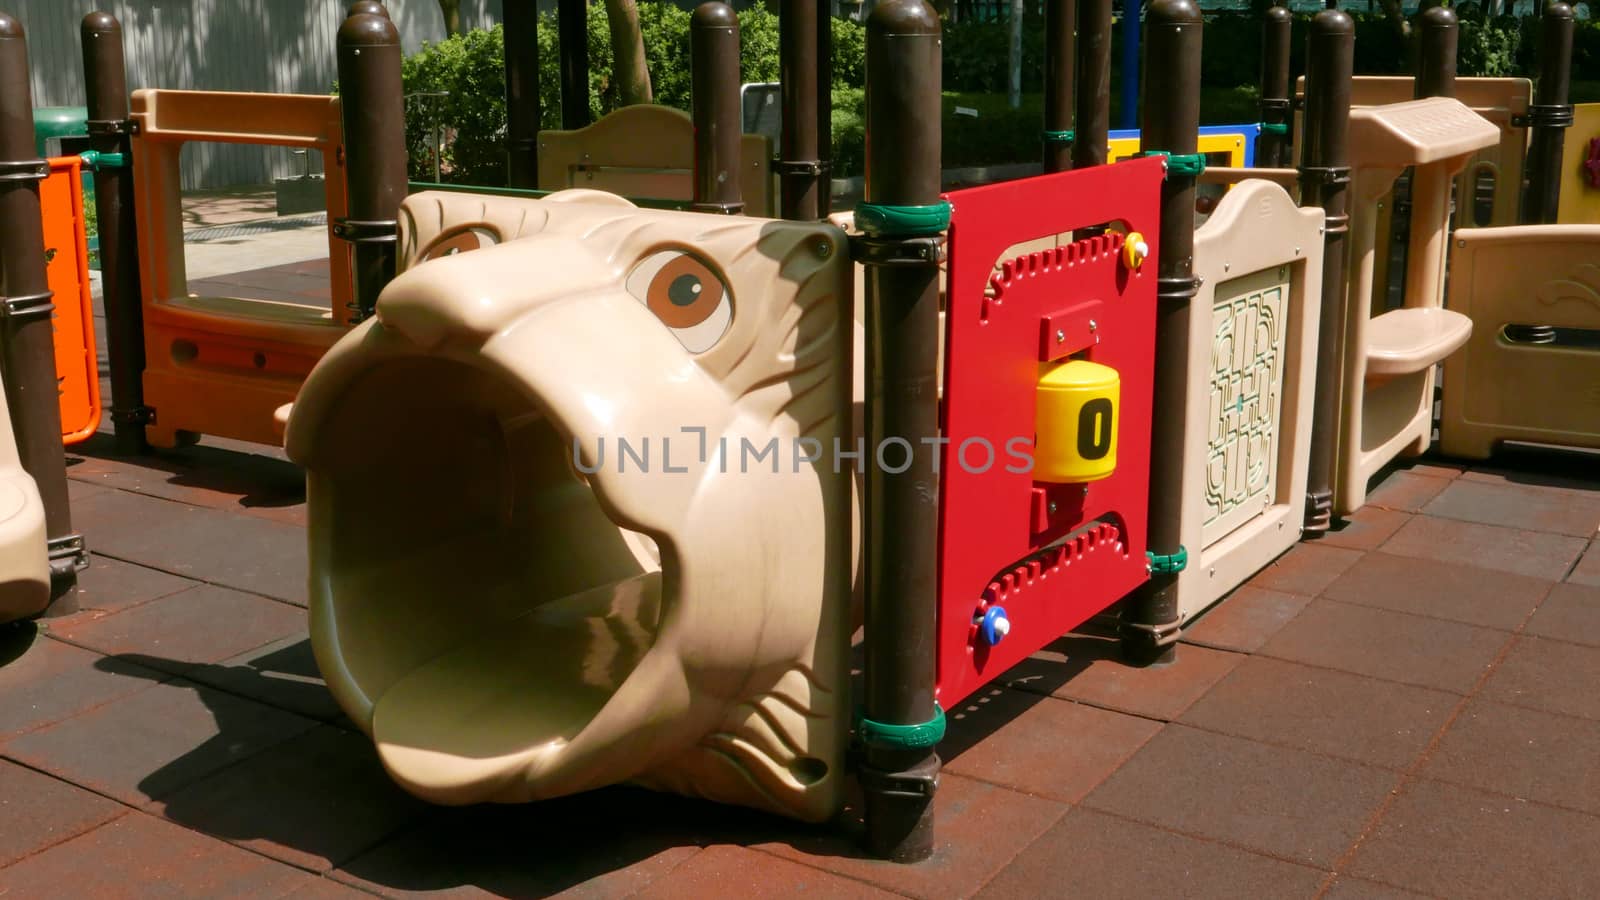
(1408, 706)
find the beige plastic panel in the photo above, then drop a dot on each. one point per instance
(1248, 380)
(647, 150)
(223, 365)
(1386, 378)
(24, 560)
(1497, 390)
(1580, 198)
(507, 627)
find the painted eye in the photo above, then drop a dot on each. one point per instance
(460, 241)
(686, 295)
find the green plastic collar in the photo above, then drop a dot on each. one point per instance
(1190, 164)
(1168, 564)
(1278, 128)
(902, 737)
(97, 161)
(1057, 137)
(883, 220)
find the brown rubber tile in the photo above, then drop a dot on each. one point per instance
(82, 490)
(1347, 888)
(142, 856)
(1090, 669)
(1392, 646)
(1366, 529)
(1287, 803)
(1525, 753)
(1453, 842)
(1333, 713)
(1532, 553)
(314, 801)
(110, 585)
(325, 889)
(1433, 468)
(1404, 491)
(1426, 587)
(1570, 613)
(199, 476)
(1587, 571)
(1103, 856)
(609, 843)
(1245, 619)
(282, 674)
(1550, 675)
(1547, 468)
(1533, 508)
(980, 829)
(155, 742)
(44, 681)
(1039, 745)
(1306, 569)
(185, 629)
(728, 871)
(37, 811)
(244, 552)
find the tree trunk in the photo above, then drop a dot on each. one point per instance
(452, 16)
(627, 49)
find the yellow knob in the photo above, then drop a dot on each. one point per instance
(1134, 250)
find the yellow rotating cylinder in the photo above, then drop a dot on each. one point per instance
(1076, 422)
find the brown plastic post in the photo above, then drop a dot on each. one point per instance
(1436, 58)
(898, 779)
(1171, 123)
(28, 344)
(372, 109)
(825, 110)
(1549, 116)
(520, 19)
(1059, 19)
(106, 80)
(799, 160)
(714, 101)
(1092, 142)
(572, 30)
(1272, 146)
(1324, 182)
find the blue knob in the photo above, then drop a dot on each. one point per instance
(995, 625)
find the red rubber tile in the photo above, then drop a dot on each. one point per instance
(110, 585)
(1366, 529)
(603, 844)
(1347, 888)
(1352, 717)
(142, 856)
(1286, 803)
(1306, 569)
(1392, 646)
(1039, 745)
(1533, 508)
(282, 674)
(1587, 571)
(314, 801)
(1245, 619)
(980, 828)
(1426, 587)
(1525, 753)
(37, 811)
(1432, 469)
(726, 871)
(206, 624)
(1532, 553)
(1103, 856)
(44, 681)
(1550, 675)
(1570, 613)
(1090, 670)
(244, 552)
(1451, 841)
(155, 742)
(1404, 491)
(325, 889)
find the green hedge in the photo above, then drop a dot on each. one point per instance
(469, 69)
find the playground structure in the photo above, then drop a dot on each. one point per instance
(1191, 399)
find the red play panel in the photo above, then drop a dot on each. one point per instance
(1052, 555)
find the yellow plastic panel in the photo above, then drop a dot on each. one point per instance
(1580, 168)
(1076, 421)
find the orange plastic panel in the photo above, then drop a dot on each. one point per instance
(67, 268)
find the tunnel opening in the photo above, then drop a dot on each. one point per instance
(482, 603)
